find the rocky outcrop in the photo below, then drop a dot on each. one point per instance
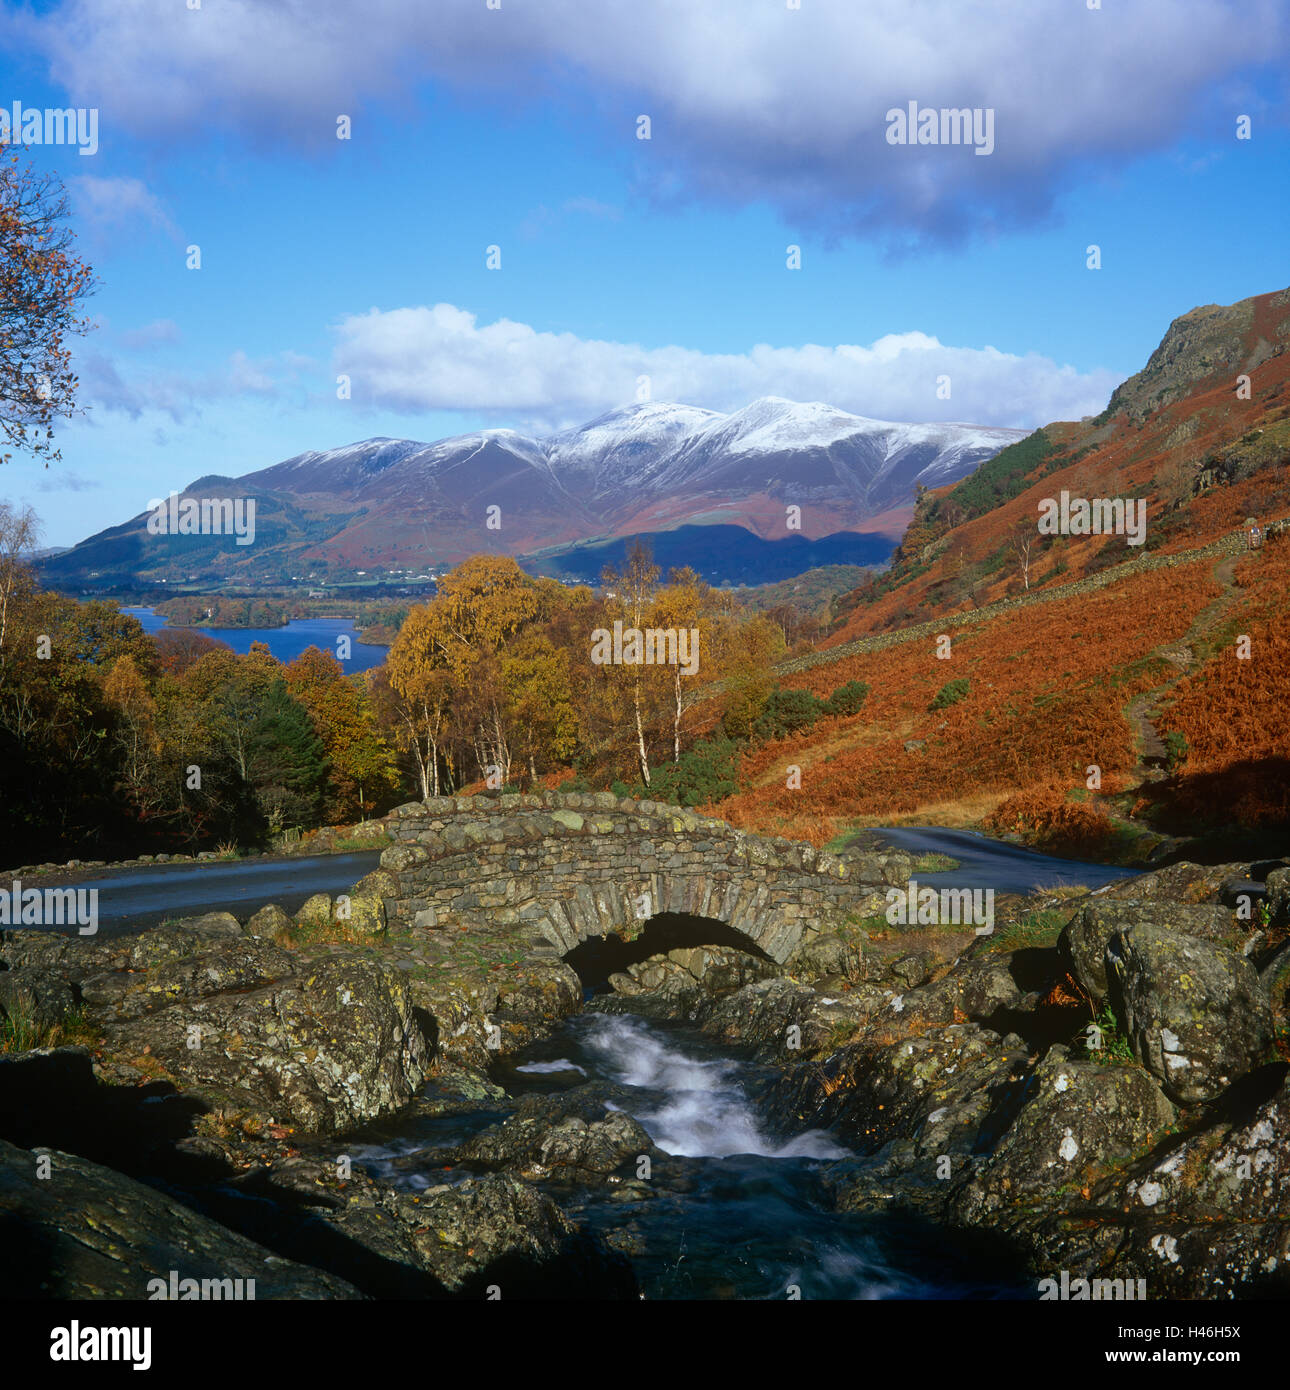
(1196, 1014)
(1084, 941)
(1074, 1118)
(1112, 1105)
(676, 983)
(557, 1138)
(264, 1037)
(74, 1229)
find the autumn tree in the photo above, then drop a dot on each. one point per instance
(42, 288)
(412, 697)
(539, 698)
(684, 603)
(362, 767)
(58, 768)
(19, 531)
(179, 648)
(135, 735)
(745, 653)
(630, 595)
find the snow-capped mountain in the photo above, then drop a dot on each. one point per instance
(646, 468)
(632, 459)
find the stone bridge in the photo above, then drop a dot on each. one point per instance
(565, 868)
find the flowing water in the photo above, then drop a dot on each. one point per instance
(741, 1213)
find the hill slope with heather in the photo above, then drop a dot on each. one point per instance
(1201, 435)
(1077, 689)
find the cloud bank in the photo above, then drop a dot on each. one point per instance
(441, 358)
(748, 102)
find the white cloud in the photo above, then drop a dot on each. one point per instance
(442, 358)
(176, 394)
(112, 207)
(748, 102)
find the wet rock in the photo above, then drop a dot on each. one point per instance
(1196, 1014)
(87, 1232)
(474, 1022)
(464, 1084)
(936, 1093)
(569, 1149)
(783, 1019)
(448, 1240)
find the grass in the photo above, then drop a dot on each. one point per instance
(20, 1031)
(354, 843)
(1062, 891)
(1039, 929)
(321, 933)
(936, 863)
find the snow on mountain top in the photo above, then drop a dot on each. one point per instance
(634, 444)
(651, 420)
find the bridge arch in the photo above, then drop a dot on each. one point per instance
(565, 869)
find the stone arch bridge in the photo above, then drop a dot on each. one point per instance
(562, 869)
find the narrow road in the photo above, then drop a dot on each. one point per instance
(130, 899)
(987, 863)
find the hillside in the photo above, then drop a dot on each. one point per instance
(1181, 435)
(1119, 658)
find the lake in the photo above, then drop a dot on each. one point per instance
(286, 643)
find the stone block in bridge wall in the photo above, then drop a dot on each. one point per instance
(576, 866)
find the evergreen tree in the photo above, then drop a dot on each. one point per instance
(286, 762)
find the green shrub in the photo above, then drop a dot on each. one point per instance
(707, 772)
(847, 699)
(785, 712)
(950, 693)
(1176, 750)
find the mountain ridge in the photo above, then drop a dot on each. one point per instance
(644, 468)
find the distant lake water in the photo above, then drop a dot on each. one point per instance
(286, 643)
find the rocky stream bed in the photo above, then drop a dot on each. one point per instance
(389, 1110)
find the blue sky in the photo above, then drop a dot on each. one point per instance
(666, 258)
